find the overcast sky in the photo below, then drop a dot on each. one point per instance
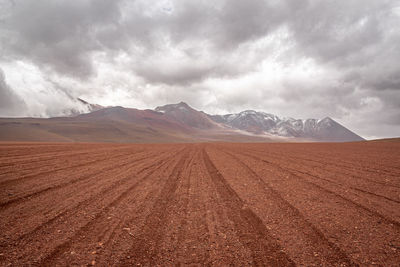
(303, 59)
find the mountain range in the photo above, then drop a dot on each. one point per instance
(171, 123)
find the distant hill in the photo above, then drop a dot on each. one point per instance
(171, 123)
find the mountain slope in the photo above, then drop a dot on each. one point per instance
(186, 115)
(172, 123)
(148, 118)
(113, 124)
(264, 123)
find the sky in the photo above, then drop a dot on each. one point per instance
(301, 59)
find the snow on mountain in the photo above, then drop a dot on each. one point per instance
(264, 123)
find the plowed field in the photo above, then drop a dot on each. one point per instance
(200, 204)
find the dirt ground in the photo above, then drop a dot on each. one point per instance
(200, 204)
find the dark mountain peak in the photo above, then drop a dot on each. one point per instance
(327, 119)
(183, 104)
(187, 115)
(172, 107)
(180, 105)
(248, 111)
(327, 122)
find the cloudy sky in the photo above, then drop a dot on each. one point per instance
(311, 58)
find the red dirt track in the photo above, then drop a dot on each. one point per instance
(200, 204)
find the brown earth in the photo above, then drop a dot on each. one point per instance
(200, 204)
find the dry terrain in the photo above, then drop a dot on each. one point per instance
(200, 204)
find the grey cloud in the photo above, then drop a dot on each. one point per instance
(211, 34)
(173, 76)
(359, 38)
(62, 36)
(334, 30)
(242, 21)
(56, 34)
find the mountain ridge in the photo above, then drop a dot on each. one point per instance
(173, 123)
(261, 122)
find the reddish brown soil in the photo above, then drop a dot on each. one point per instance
(200, 204)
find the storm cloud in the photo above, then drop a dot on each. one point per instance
(294, 58)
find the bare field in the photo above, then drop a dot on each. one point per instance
(205, 204)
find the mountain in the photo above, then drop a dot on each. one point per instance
(112, 124)
(249, 120)
(147, 118)
(186, 115)
(264, 123)
(171, 123)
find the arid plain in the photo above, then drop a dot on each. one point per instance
(216, 204)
